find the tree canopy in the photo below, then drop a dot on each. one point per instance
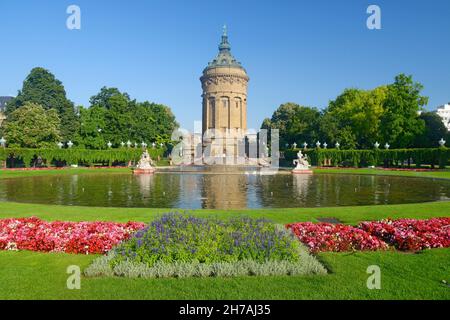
(296, 123)
(42, 88)
(359, 118)
(114, 117)
(31, 126)
(111, 116)
(400, 122)
(354, 117)
(434, 130)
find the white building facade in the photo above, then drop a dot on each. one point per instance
(3, 102)
(444, 113)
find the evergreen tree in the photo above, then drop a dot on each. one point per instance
(42, 88)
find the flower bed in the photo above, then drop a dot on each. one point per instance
(323, 237)
(179, 245)
(70, 237)
(410, 234)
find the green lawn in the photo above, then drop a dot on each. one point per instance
(444, 174)
(29, 275)
(81, 170)
(350, 215)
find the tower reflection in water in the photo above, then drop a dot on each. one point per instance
(301, 184)
(224, 191)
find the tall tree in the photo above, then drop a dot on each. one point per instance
(400, 122)
(152, 121)
(102, 98)
(118, 119)
(114, 117)
(353, 119)
(331, 131)
(92, 124)
(296, 123)
(31, 126)
(434, 131)
(41, 87)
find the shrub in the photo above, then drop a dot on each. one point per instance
(77, 156)
(102, 267)
(375, 157)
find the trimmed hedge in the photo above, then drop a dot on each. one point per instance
(376, 157)
(76, 156)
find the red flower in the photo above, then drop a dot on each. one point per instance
(322, 237)
(71, 237)
(411, 234)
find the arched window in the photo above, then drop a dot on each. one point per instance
(225, 114)
(212, 112)
(237, 118)
(238, 102)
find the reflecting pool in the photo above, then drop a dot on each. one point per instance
(221, 191)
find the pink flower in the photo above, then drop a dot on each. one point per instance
(57, 236)
(411, 234)
(322, 237)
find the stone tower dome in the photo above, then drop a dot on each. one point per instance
(224, 83)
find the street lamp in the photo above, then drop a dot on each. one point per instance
(161, 144)
(60, 145)
(318, 144)
(325, 145)
(70, 144)
(294, 145)
(153, 145)
(128, 143)
(442, 142)
(144, 145)
(135, 144)
(109, 144)
(337, 145)
(122, 144)
(3, 142)
(376, 145)
(386, 146)
(305, 145)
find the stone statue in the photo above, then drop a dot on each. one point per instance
(302, 164)
(145, 164)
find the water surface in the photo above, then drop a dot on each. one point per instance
(222, 191)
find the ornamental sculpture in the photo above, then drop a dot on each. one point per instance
(302, 164)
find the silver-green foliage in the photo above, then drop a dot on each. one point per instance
(306, 265)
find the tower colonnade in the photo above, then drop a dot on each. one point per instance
(224, 84)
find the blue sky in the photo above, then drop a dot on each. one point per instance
(301, 51)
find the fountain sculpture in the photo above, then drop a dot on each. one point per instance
(145, 164)
(302, 164)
